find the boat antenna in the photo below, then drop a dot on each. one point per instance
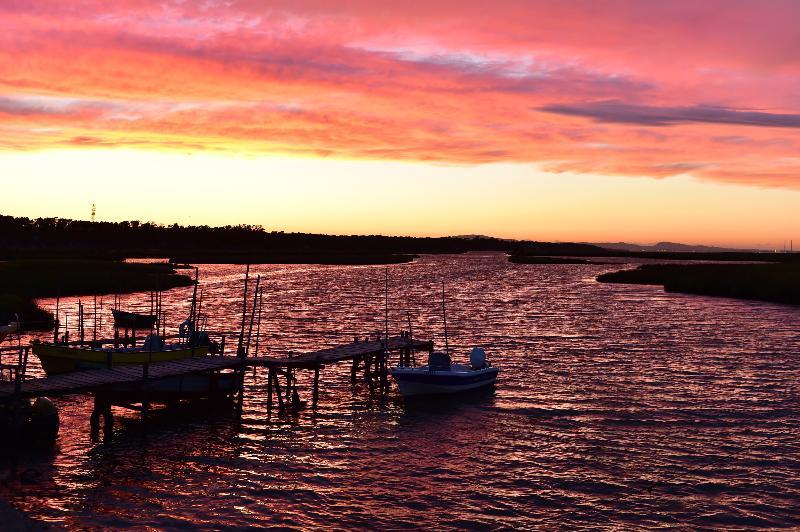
(240, 347)
(253, 314)
(386, 309)
(56, 324)
(258, 322)
(444, 317)
(194, 297)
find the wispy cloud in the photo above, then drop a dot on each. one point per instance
(665, 116)
(432, 81)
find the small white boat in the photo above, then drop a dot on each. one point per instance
(441, 376)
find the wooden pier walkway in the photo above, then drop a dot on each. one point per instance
(108, 383)
(340, 353)
(94, 379)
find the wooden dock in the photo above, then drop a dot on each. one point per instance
(132, 385)
(373, 355)
(96, 379)
(340, 353)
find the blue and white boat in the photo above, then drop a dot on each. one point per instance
(441, 376)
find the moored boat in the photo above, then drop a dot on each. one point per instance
(441, 376)
(59, 358)
(133, 320)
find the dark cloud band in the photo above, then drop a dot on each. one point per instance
(664, 116)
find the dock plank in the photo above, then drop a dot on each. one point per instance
(340, 353)
(81, 381)
(89, 380)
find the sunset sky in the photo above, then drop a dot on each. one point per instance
(591, 121)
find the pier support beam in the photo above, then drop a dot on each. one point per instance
(315, 395)
(240, 385)
(354, 369)
(269, 393)
(102, 408)
(277, 384)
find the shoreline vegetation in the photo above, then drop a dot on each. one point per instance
(46, 257)
(24, 281)
(770, 282)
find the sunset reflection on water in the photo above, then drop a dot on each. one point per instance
(611, 403)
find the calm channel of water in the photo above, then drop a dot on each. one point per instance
(617, 406)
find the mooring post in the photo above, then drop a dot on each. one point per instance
(289, 377)
(102, 407)
(384, 372)
(368, 367)
(145, 399)
(354, 369)
(277, 385)
(315, 396)
(269, 392)
(240, 399)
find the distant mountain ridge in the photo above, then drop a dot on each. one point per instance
(669, 247)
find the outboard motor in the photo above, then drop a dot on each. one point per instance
(477, 358)
(153, 342)
(438, 361)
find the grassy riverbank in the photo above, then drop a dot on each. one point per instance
(776, 283)
(23, 281)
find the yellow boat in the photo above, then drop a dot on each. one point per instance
(60, 358)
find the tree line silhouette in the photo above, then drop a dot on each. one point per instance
(22, 237)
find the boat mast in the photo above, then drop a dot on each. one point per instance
(386, 309)
(240, 347)
(444, 317)
(192, 311)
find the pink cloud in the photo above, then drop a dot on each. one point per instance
(633, 88)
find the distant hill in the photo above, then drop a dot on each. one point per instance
(672, 247)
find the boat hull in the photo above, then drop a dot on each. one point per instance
(57, 359)
(133, 320)
(415, 381)
(176, 388)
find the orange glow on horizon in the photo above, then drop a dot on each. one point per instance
(536, 120)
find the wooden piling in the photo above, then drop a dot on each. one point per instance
(102, 408)
(269, 392)
(315, 396)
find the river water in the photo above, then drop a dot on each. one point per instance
(617, 406)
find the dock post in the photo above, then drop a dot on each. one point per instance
(145, 399)
(240, 399)
(269, 392)
(384, 373)
(368, 368)
(315, 396)
(277, 385)
(289, 385)
(354, 369)
(102, 407)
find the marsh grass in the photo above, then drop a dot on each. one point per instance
(23, 281)
(776, 283)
